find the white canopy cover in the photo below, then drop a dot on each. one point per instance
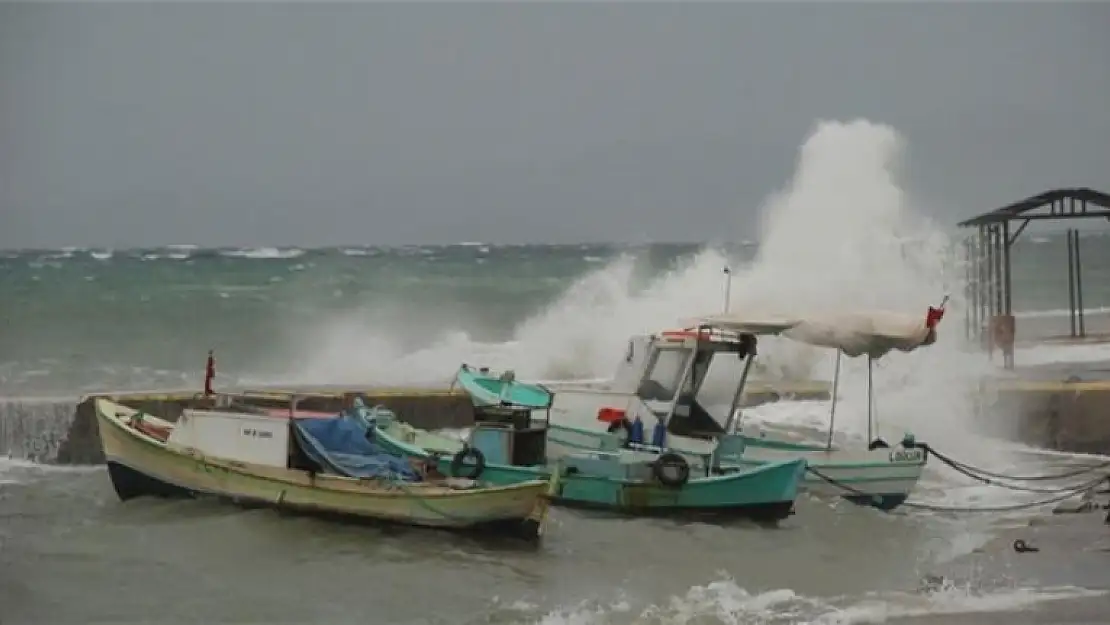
(875, 333)
(750, 323)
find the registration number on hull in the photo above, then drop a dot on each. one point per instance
(907, 455)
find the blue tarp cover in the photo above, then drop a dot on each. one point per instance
(339, 445)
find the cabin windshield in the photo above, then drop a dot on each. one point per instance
(691, 413)
(702, 408)
(665, 375)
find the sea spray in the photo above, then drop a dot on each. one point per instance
(34, 428)
(841, 234)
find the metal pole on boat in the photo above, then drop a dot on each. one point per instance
(869, 402)
(732, 407)
(832, 410)
(728, 287)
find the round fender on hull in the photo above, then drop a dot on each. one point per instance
(476, 465)
(671, 469)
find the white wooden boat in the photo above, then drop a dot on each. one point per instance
(273, 461)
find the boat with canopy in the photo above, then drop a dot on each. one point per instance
(658, 386)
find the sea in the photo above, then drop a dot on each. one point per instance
(841, 233)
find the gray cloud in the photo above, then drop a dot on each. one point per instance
(146, 124)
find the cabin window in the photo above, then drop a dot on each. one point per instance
(697, 375)
(665, 376)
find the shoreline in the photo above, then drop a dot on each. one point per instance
(1074, 554)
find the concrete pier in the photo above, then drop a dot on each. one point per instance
(1063, 406)
(425, 408)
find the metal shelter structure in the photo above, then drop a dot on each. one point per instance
(990, 316)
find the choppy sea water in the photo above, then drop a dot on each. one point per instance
(83, 319)
(86, 320)
(79, 320)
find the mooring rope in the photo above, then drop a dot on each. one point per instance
(932, 508)
(982, 476)
(394, 479)
(1009, 508)
(956, 464)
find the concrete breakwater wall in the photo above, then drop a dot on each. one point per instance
(1059, 415)
(1063, 415)
(35, 428)
(64, 430)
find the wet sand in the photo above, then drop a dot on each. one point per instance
(1074, 551)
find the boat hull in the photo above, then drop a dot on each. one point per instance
(864, 477)
(142, 467)
(764, 493)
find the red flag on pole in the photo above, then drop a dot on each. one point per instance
(934, 315)
(209, 373)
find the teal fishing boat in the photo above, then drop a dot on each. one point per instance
(489, 390)
(508, 445)
(661, 381)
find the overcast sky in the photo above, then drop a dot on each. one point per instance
(128, 124)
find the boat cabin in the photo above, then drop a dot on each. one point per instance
(662, 376)
(251, 438)
(509, 435)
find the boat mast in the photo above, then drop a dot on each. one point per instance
(832, 410)
(728, 287)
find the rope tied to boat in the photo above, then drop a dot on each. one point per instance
(991, 478)
(956, 464)
(396, 481)
(956, 509)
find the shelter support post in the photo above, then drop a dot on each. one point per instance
(990, 267)
(1071, 284)
(969, 289)
(1075, 286)
(1080, 309)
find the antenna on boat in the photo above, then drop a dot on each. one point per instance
(832, 410)
(728, 286)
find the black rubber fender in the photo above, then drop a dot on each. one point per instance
(878, 443)
(667, 461)
(476, 469)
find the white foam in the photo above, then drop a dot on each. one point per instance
(725, 602)
(263, 253)
(167, 256)
(18, 470)
(1070, 353)
(1061, 312)
(949, 601)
